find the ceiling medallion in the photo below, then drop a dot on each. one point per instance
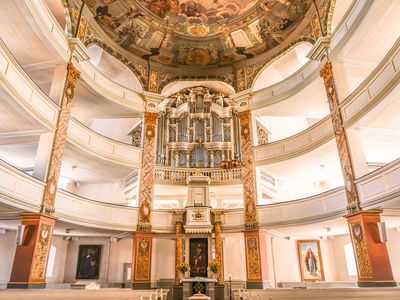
(198, 29)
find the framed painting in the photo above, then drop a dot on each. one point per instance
(88, 262)
(310, 260)
(198, 257)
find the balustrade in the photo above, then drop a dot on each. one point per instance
(178, 175)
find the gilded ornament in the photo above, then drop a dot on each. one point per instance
(360, 248)
(41, 252)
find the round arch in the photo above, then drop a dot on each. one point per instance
(282, 66)
(118, 70)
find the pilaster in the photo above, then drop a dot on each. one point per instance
(178, 287)
(141, 260)
(219, 286)
(31, 256)
(353, 200)
(372, 258)
(256, 259)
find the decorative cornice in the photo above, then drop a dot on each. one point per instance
(78, 49)
(320, 48)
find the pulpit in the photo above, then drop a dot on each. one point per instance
(198, 244)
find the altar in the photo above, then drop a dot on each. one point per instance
(191, 287)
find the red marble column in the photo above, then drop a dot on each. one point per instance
(141, 260)
(372, 258)
(30, 262)
(256, 259)
(29, 267)
(373, 264)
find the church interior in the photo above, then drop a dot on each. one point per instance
(199, 149)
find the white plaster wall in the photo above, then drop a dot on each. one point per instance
(234, 256)
(121, 252)
(393, 246)
(60, 260)
(163, 259)
(285, 261)
(109, 272)
(337, 244)
(7, 252)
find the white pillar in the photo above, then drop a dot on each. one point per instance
(58, 82)
(357, 154)
(43, 153)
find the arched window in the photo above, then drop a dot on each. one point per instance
(350, 260)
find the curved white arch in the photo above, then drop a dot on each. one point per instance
(113, 68)
(179, 85)
(282, 67)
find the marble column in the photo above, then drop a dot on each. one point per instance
(30, 262)
(340, 137)
(187, 159)
(373, 263)
(176, 159)
(219, 287)
(248, 170)
(211, 159)
(147, 171)
(178, 287)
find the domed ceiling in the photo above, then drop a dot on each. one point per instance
(199, 32)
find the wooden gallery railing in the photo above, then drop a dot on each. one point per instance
(165, 175)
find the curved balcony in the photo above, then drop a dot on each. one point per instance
(103, 147)
(377, 190)
(306, 74)
(31, 98)
(296, 145)
(370, 93)
(90, 74)
(18, 189)
(83, 211)
(169, 175)
(378, 84)
(27, 94)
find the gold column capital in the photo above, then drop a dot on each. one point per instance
(326, 72)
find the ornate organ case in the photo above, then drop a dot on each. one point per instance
(198, 129)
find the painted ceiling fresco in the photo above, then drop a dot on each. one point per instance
(198, 11)
(198, 32)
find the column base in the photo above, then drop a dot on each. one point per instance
(219, 291)
(18, 285)
(377, 283)
(177, 292)
(258, 285)
(141, 285)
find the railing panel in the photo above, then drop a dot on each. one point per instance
(20, 190)
(94, 213)
(167, 175)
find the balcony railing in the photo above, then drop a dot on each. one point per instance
(167, 175)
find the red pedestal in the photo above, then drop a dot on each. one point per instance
(256, 259)
(30, 262)
(373, 264)
(141, 260)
